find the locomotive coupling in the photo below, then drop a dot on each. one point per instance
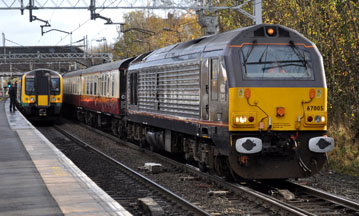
(321, 144)
(249, 145)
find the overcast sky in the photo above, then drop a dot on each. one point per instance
(19, 29)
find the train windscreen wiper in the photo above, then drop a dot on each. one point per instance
(299, 55)
(245, 57)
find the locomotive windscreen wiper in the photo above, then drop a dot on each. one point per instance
(245, 57)
(273, 62)
(298, 53)
(283, 65)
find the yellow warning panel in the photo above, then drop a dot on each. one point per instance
(43, 100)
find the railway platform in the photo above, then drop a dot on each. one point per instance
(37, 179)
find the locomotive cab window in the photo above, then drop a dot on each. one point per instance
(29, 86)
(276, 62)
(55, 85)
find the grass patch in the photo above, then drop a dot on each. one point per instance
(345, 156)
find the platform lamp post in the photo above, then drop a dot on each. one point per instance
(2, 79)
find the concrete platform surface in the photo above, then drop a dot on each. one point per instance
(37, 179)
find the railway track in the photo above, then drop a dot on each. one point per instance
(136, 186)
(313, 201)
(272, 195)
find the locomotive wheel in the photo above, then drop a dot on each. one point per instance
(142, 143)
(152, 148)
(120, 133)
(79, 116)
(114, 127)
(87, 118)
(99, 121)
(94, 120)
(222, 166)
(202, 166)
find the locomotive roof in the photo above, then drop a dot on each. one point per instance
(52, 72)
(97, 68)
(212, 42)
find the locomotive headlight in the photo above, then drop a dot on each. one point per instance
(323, 119)
(242, 119)
(32, 99)
(53, 99)
(246, 119)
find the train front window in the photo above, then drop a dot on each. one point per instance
(29, 86)
(276, 62)
(55, 86)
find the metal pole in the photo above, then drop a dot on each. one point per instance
(3, 42)
(257, 11)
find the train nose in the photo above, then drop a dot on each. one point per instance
(249, 145)
(321, 144)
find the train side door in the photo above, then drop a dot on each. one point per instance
(213, 70)
(217, 90)
(204, 90)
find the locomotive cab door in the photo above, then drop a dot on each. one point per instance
(217, 90)
(214, 103)
(204, 91)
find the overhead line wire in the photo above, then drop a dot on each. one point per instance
(82, 24)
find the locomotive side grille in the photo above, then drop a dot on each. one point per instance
(171, 89)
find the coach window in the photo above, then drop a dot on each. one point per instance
(108, 85)
(214, 79)
(103, 84)
(91, 85)
(87, 86)
(95, 86)
(113, 85)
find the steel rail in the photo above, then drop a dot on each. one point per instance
(326, 196)
(194, 209)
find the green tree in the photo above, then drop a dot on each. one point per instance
(145, 31)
